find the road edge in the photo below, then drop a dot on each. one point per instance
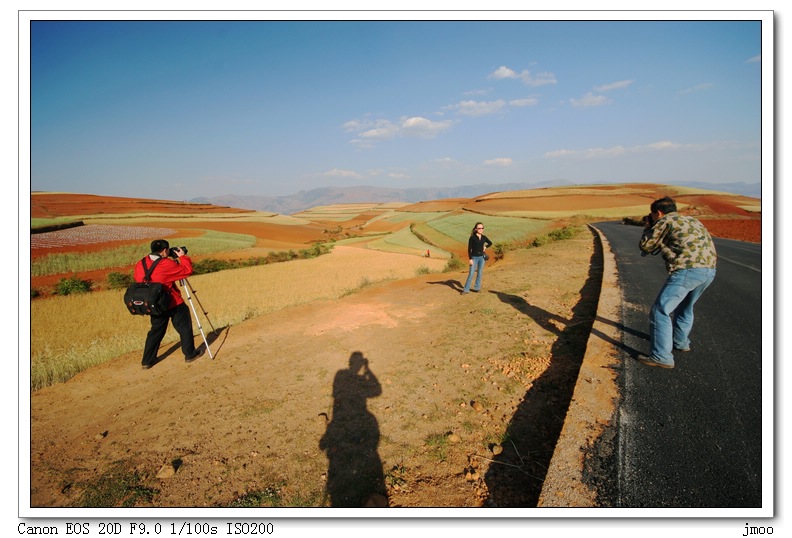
(594, 401)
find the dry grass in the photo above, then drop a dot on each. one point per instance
(72, 333)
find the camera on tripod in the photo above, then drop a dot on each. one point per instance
(172, 251)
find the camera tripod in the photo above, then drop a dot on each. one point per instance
(190, 294)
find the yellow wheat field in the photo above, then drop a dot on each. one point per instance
(69, 334)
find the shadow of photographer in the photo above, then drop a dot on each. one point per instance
(354, 476)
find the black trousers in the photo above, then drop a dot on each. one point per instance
(180, 317)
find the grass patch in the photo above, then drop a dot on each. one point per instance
(75, 262)
(500, 229)
(438, 445)
(269, 497)
(68, 286)
(119, 487)
(405, 241)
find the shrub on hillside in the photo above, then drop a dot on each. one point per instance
(67, 286)
(454, 264)
(117, 280)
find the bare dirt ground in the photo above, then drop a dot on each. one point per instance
(460, 404)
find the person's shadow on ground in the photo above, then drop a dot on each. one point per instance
(354, 476)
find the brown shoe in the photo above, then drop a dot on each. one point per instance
(650, 361)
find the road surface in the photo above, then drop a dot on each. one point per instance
(691, 436)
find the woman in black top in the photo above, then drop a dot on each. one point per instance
(477, 245)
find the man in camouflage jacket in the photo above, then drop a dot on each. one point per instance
(690, 258)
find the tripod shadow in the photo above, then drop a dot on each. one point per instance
(354, 476)
(453, 284)
(211, 338)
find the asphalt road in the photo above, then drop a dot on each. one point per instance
(691, 437)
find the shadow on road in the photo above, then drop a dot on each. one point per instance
(516, 475)
(354, 476)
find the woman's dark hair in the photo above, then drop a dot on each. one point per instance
(664, 205)
(476, 226)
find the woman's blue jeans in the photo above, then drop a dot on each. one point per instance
(478, 267)
(671, 317)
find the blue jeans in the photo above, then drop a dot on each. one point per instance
(671, 317)
(478, 267)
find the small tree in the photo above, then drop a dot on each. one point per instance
(67, 286)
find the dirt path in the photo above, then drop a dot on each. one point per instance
(459, 405)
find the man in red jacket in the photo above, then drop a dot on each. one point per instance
(168, 272)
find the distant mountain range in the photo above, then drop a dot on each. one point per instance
(300, 201)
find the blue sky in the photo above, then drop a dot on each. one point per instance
(179, 109)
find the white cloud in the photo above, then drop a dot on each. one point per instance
(541, 79)
(590, 100)
(755, 59)
(478, 108)
(369, 132)
(605, 152)
(614, 151)
(697, 88)
(335, 172)
(424, 128)
(665, 144)
(560, 153)
(503, 161)
(613, 86)
(383, 131)
(527, 101)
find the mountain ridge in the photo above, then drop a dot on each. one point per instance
(322, 196)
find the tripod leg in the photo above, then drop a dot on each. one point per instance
(195, 315)
(205, 313)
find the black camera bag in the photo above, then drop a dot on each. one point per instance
(147, 298)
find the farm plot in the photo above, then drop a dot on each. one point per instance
(96, 233)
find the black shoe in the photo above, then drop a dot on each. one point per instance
(198, 353)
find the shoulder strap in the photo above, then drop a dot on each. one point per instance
(149, 270)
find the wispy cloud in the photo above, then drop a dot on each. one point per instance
(473, 93)
(477, 108)
(615, 151)
(500, 162)
(620, 85)
(527, 101)
(335, 172)
(756, 59)
(697, 88)
(525, 76)
(590, 100)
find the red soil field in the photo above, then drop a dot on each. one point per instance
(562, 203)
(51, 205)
(720, 213)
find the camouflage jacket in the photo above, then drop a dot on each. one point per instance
(684, 242)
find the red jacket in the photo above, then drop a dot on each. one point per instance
(167, 272)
